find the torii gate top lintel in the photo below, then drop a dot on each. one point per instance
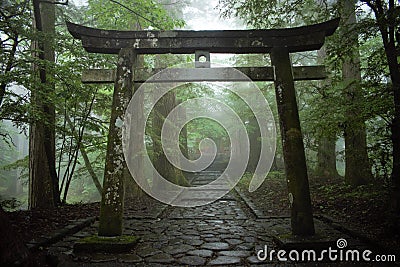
(297, 39)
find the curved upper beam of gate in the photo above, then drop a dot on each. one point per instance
(297, 39)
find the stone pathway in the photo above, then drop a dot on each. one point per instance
(225, 232)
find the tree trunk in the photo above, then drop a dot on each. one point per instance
(394, 67)
(160, 161)
(43, 180)
(292, 143)
(85, 157)
(183, 138)
(326, 157)
(255, 144)
(387, 23)
(358, 168)
(326, 152)
(112, 201)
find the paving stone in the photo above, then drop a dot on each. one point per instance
(147, 251)
(230, 236)
(188, 236)
(208, 235)
(254, 260)
(129, 258)
(250, 239)
(245, 246)
(234, 241)
(216, 245)
(178, 249)
(98, 258)
(192, 260)
(212, 239)
(175, 241)
(235, 253)
(160, 258)
(201, 252)
(190, 232)
(225, 260)
(194, 242)
(159, 245)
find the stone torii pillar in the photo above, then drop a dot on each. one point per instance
(292, 143)
(112, 201)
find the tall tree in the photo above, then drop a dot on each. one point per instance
(358, 168)
(43, 179)
(161, 110)
(387, 14)
(326, 141)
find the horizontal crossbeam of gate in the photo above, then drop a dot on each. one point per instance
(205, 74)
(305, 38)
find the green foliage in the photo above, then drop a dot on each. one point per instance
(275, 14)
(10, 204)
(322, 105)
(272, 175)
(88, 107)
(345, 191)
(125, 14)
(15, 60)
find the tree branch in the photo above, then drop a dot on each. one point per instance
(137, 14)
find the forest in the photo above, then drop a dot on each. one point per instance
(334, 174)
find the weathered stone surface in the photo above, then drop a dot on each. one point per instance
(160, 258)
(235, 253)
(201, 252)
(212, 239)
(194, 242)
(183, 248)
(146, 251)
(233, 241)
(254, 260)
(112, 200)
(245, 246)
(250, 239)
(192, 260)
(98, 258)
(150, 250)
(129, 258)
(298, 39)
(190, 237)
(105, 244)
(216, 245)
(175, 241)
(225, 260)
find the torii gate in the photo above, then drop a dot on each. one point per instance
(277, 42)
